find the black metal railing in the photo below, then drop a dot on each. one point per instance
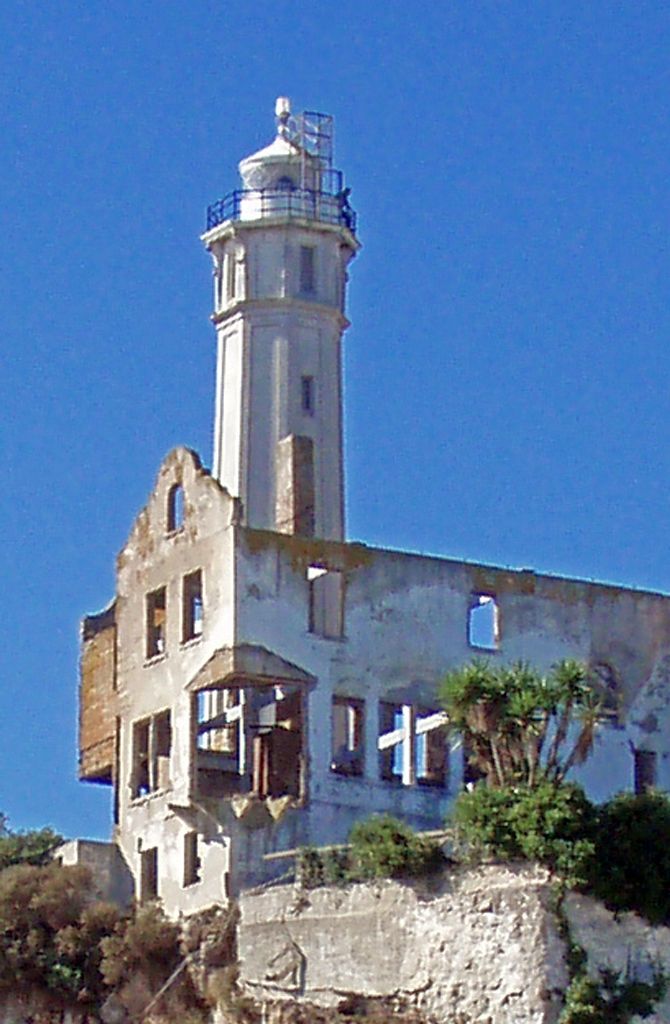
(256, 204)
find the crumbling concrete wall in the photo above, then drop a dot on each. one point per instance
(483, 949)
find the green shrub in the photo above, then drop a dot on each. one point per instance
(383, 847)
(380, 847)
(50, 931)
(33, 847)
(633, 855)
(612, 1000)
(551, 824)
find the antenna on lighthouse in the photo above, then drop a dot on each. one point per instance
(282, 114)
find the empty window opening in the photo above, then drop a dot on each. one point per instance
(191, 859)
(645, 771)
(250, 739)
(285, 184)
(483, 622)
(156, 602)
(412, 746)
(231, 275)
(430, 753)
(148, 874)
(347, 736)
(175, 508)
(307, 395)
(152, 742)
(307, 264)
(326, 602)
(392, 741)
(192, 607)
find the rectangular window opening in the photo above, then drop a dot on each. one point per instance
(220, 741)
(192, 606)
(191, 859)
(152, 742)
(484, 622)
(645, 771)
(391, 741)
(326, 602)
(307, 395)
(155, 611)
(412, 745)
(250, 739)
(276, 720)
(347, 736)
(231, 276)
(307, 265)
(430, 753)
(148, 874)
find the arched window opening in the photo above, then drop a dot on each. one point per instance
(175, 510)
(285, 184)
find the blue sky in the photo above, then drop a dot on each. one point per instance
(508, 367)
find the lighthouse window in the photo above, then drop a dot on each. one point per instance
(231, 275)
(307, 395)
(285, 184)
(307, 269)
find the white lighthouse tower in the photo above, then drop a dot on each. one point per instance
(281, 245)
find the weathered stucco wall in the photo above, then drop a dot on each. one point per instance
(485, 949)
(482, 948)
(377, 629)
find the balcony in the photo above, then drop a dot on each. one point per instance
(271, 203)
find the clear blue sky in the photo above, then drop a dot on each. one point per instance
(508, 367)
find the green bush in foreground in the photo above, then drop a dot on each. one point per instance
(554, 825)
(33, 847)
(383, 847)
(380, 847)
(633, 855)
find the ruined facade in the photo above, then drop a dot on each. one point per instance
(258, 683)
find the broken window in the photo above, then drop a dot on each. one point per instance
(483, 622)
(411, 745)
(430, 753)
(249, 739)
(175, 508)
(347, 736)
(156, 622)
(307, 276)
(644, 767)
(307, 395)
(192, 606)
(148, 874)
(191, 859)
(152, 741)
(326, 602)
(392, 741)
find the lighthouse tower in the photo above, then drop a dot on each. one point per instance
(281, 245)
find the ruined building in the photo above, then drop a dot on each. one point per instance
(259, 683)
